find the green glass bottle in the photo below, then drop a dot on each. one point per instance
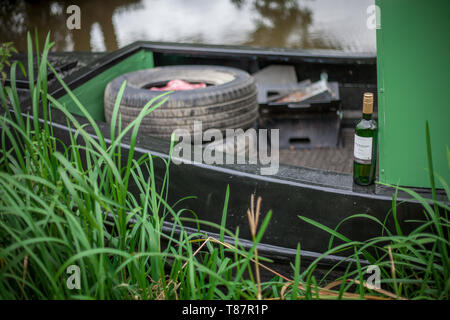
(365, 147)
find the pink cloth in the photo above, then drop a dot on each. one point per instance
(179, 85)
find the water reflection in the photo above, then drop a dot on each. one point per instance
(107, 25)
(19, 16)
(283, 23)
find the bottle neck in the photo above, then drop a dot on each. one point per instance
(367, 116)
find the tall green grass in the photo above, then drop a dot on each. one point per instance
(70, 204)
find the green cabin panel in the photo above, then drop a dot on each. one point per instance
(91, 93)
(413, 61)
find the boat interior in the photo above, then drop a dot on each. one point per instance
(316, 133)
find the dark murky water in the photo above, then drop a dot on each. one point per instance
(111, 24)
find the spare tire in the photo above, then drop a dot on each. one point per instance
(228, 101)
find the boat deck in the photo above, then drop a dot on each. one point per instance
(338, 159)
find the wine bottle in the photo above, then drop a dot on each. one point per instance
(365, 147)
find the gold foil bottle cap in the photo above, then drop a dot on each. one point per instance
(368, 103)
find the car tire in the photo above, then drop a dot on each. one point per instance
(228, 102)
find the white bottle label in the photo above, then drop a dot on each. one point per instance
(363, 149)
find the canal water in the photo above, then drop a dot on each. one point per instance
(110, 24)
